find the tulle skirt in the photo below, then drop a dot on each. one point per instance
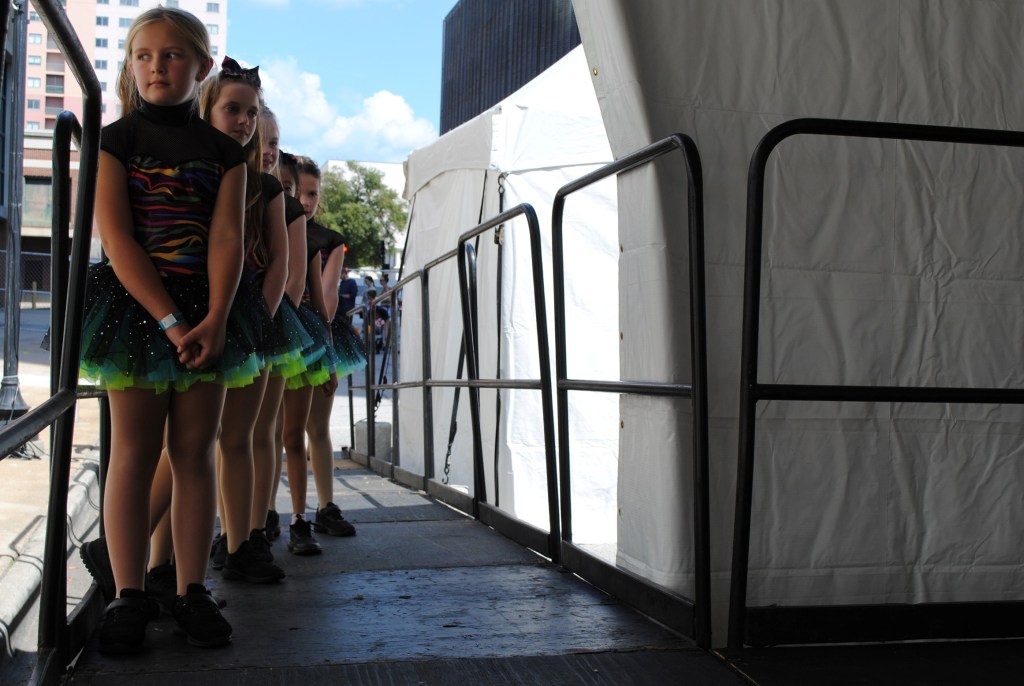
(290, 350)
(124, 347)
(321, 356)
(348, 347)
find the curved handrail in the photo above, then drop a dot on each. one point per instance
(54, 649)
(751, 391)
(696, 390)
(468, 302)
(66, 131)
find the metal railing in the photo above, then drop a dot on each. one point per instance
(426, 384)
(546, 543)
(59, 640)
(692, 617)
(842, 623)
(689, 616)
(368, 313)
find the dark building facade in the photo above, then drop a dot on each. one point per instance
(493, 47)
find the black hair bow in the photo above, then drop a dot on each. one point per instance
(231, 68)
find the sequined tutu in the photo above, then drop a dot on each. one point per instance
(124, 347)
(289, 349)
(322, 359)
(249, 300)
(348, 347)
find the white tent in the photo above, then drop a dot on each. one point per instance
(521, 151)
(886, 263)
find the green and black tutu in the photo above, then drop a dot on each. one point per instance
(348, 347)
(290, 349)
(124, 347)
(321, 357)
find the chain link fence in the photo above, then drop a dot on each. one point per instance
(35, 279)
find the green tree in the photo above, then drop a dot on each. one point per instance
(356, 202)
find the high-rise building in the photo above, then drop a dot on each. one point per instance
(51, 88)
(491, 49)
(101, 26)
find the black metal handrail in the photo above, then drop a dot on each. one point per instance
(467, 291)
(662, 605)
(426, 383)
(367, 310)
(66, 131)
(794, 625)
(55, 646)
(470, 334)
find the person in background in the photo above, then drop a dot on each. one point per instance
(385, 305)
(348, 289)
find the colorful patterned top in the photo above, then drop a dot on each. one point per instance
(175, 162)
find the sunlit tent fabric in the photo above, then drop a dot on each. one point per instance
(886, 263)
(522, 150)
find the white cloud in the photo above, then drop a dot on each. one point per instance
(384, 129)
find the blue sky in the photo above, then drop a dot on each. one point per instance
(348, 79)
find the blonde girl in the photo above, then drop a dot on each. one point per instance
(160, 334)
(299, 391)
(231, 102)
(330, 246)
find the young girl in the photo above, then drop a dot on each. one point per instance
(331, 248)
(267, 445)
(230, 101)
(160, 334)
(299, 393)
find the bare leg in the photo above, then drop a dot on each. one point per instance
(278, 453)
(321, 452)
(296, 412)
(161, 547)
(235, 445)
(191, 433)
(134, 453)
(265, 454)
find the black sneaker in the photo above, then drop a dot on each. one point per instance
(300, 539)
(248, 564)
(219, 551)
(97, 560)
(273, 526)
(330, 521)
(122, 630)
(199, 618)
(261, 545)
(162, 586)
